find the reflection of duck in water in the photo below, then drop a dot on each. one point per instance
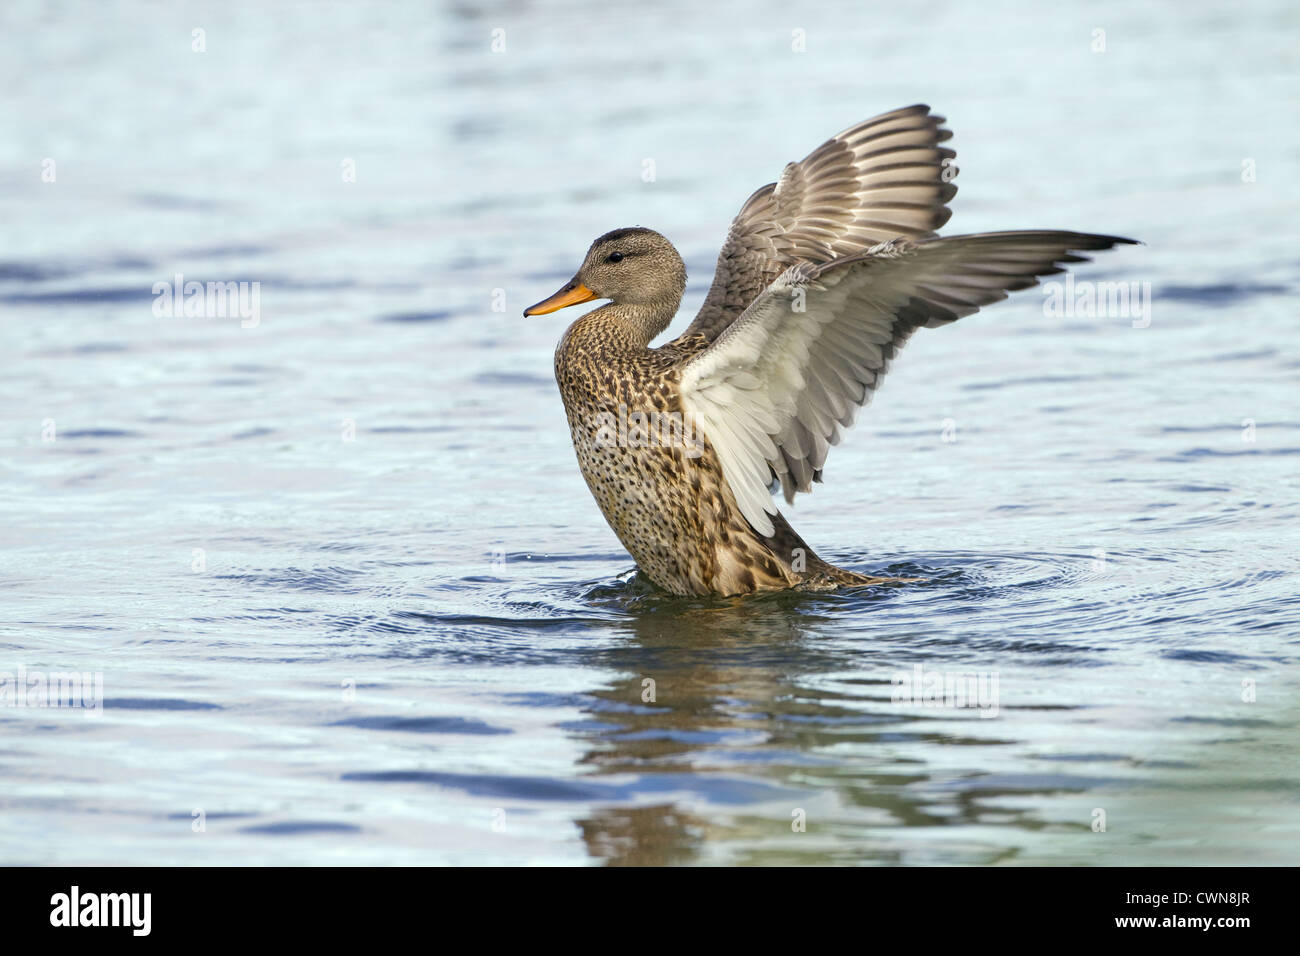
(687, 705)
(824, 275)
(717, 719)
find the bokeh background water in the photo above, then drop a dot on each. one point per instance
(423, 645)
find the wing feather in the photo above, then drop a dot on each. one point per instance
(773, 390)
(882, 179)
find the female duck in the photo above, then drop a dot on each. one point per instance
(824, 275)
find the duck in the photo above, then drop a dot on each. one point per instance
(823, 276)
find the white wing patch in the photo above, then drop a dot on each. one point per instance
(751, 391)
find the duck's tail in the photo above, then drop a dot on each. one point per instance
(814, 573)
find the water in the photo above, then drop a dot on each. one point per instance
(423, 645)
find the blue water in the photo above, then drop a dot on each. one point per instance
(347, 593)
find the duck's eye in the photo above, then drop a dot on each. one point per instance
(614, 257)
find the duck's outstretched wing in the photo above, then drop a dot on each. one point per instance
(886, 178)
(772, 392)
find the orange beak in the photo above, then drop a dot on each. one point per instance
(571, 294)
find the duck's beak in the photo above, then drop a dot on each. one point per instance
(571, 294)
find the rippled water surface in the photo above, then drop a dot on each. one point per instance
(348, 594)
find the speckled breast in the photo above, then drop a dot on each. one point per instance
(654, 476)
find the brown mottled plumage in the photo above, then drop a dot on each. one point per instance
(823, 277)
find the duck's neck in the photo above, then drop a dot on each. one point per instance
(638, 323)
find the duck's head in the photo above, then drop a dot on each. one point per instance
(633, 266)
